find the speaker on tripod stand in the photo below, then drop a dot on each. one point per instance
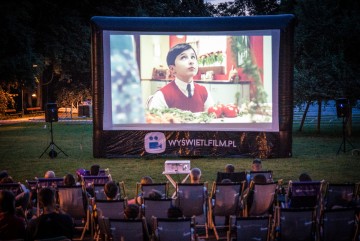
(343, 110)
(51, 115)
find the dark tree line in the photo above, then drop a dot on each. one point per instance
(46, 43)
(327, 52)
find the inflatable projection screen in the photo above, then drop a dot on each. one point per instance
(240, 71)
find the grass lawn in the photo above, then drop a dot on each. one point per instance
(22, 144)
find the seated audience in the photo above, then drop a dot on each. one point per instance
(155, 195)
(69, 180)
(132, 211)
(249, 192)
(256, 165)
(111, 190)
(304, 177)
(79, 174)
(143, 180)
(195, 175)
(3, 174)
(259, 179)
(49, 174)
(146, 180)
(229, 168)
(50, 223)
(22, 199)
(11, 226)
(94, 170)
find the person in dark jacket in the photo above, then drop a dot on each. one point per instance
(51, 223)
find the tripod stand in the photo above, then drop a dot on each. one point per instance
(52, 145)
(344, 140)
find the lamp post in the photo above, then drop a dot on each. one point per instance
(22, 101)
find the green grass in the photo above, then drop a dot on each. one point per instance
(21, 145)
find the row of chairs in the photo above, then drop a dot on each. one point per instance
(227, 199)
(305, 211)
(73, 200)
(292, 224)
(153, 221)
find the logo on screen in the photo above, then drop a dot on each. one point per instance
(155, 142)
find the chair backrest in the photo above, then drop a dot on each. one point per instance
(99, 191)
(233, 176)
(146, 189)
(104, 228)
(90, 180)
(50, 182)
(338, 224)
(339, 195)
(129, 230)
(173, 229)
(72, 201)
(251, 228)
(263, 198)
(111, 208)
(157, 208)
(268, 174)
(15, 188)
(304, 194)
(102, 172)
(296, 224)
(226, 198)
(191, 198)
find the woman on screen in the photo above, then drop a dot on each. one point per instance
(182, 93)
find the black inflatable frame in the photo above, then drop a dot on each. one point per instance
(125, 143)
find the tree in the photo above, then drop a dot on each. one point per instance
(325, 65)
(262, 7)
(246, 7)
(16, 54)
(6, 100)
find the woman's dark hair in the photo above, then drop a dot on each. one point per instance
(7, 202)
(69, 180)
(46, 196)
(111, 189)
(131, 211)
(94, 170)
(155, 194)
(175, 51)
(229, 168)
(259, 179)
(304, 177)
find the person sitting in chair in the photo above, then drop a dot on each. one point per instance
(11, 226)
(195, 175)
(111, 190)
(50, 223)
(229, 168)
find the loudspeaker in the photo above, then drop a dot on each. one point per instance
(51, 112)
(342, 107)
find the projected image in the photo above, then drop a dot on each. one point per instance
(125, 81)
(207, 79)
(229, 81)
